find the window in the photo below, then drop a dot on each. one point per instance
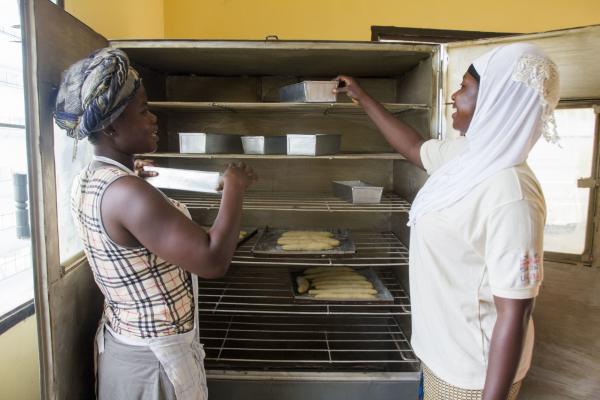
(67, 169)
(16, 273)
(558, 168)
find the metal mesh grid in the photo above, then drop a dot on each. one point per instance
(373, 249)
(269, 291)
(390, 202)
(248, 319)
(284, 342)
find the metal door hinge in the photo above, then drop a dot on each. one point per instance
(587, 183)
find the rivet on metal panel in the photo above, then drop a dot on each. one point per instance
(271, 37)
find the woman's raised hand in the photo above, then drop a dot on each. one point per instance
(239, 175)
(138, 168)
(349, 86)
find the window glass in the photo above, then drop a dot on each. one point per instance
(558, 167)
(67, 169)
(16, 271)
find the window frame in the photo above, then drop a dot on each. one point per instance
(587, 257)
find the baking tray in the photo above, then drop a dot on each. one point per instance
(357, 192)
(264, 144)
(266, 245)
(185, 179)
(209, 143)
(309, 92)
(313, 144)
(249, 233)
(384, 296)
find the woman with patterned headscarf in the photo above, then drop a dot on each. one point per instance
(143, 248)
(477, 225)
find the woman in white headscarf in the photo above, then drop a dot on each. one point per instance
(477, 224)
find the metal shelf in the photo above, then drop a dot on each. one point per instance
(277, 108)
(302, 202)
(252, 291)
(372, 250)
(248, 319)
(332, 343)
(343, 156)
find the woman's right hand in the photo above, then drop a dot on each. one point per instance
(349, 86)
(239, 175)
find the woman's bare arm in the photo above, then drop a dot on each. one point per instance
(506, 345)
(133, 206)
(402, 137)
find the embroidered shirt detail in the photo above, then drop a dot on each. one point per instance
(541, 74)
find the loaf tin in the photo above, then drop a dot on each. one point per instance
(357, 192)
(309, 92)
(209, 143)
(185, 179)
(313, 144)
(264, 144)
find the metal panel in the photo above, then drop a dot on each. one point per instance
(575, 51)
(285, 58)
(311, 389)
(67, 306)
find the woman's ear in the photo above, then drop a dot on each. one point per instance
(109, 131)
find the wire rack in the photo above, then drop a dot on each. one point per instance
(373, 249)
(249, 287)
(249, 320)
(271, 201)
(269, 292)
(308, 343)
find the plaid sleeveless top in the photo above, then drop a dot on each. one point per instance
(144, 296)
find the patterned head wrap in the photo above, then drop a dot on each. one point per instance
(94, 92)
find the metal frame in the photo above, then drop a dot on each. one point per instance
(422, 35)
(587, 256)
(301, 202)
(35, 162)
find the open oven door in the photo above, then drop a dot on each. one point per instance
(575, 51)
(68, 304)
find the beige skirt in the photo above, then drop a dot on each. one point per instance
(437, 389)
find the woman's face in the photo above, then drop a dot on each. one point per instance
(464, 101)
(136, 129)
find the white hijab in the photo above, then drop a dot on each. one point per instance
(518, 91)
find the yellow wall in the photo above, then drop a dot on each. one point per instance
(121, 19)
(19, 371)
(322, 19)
(352, 19)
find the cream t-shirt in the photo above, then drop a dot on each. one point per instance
(488, 244)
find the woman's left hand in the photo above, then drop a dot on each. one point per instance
(138, 168)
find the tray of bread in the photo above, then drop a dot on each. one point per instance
(288, 242)
(339, 284)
